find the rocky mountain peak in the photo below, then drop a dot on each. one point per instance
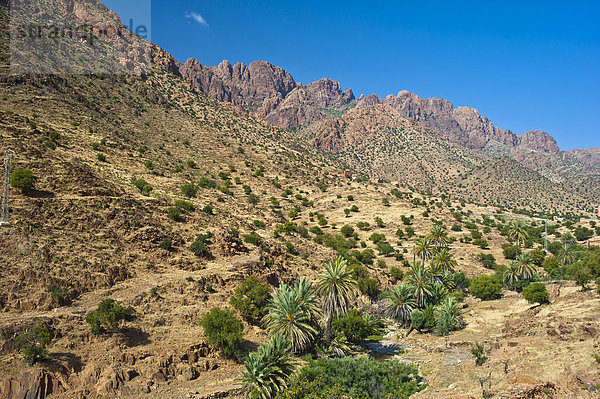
(538, 140)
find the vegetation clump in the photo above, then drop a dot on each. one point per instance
(224, 331)
(107, 316)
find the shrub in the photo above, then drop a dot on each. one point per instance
(208, 209)
(251, 299)
(253, 199)
(379, 222)
(253, 238)
(33, 343)
(166, 244)
(101, 157)
(406, 220)
(509, 251)
(363, 377)
(396, 273)
(107, 316)
(485, 288)
(409, 231)
(377, 237)
(189, 190)
(142, 185)
(185, 205)
(481, 243)
(205, 182)
(456, 227)
(174, 213)
(368, 286)
(59, 291)
(582, 277)
(191, 164)
(223, 330)
(200, 249)
(259, 224)
(537, 256)
(487, 260)
(479, 353)
(384, 248)
(347, 231)
(583, 233)
(353, 326)
(422, 318)
(23, 179)
(447, 316)
(536, 293)
(290, 248)
(363, 226)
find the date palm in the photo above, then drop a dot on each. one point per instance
(526, 268)
(288, 318)
(568, 238)
(518, 232)
(337, 287)
(420, 278)
(401, 302)
(443, 261)
(438, 237)
(267, 370)
(512, 274)
(307, 297)
(566, 255)
(423, 249)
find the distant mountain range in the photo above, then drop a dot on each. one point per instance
(335, 121)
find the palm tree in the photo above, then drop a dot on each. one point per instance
(336, 287)
(568, 238)
(448, 316)
(420, 278)
(423, 249)
(512, 274)
(566, 255)
(443, 261)
(438, 237)
(401, 302)
(307, 298)
(438, 293)
(518, 232)
(526, 268)
(268, 369)
(288, 318)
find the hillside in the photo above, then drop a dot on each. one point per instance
(157, 195)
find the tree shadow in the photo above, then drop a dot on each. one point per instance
(251, 346)
(40, 194)
(133, 336)
(58, 361)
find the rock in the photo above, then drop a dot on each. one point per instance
(33, 384)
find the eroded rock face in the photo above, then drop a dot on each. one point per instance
(538, 140)
(267, 89)
(242, 85)
(33, 384)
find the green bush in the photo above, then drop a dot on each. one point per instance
(583, 233)
(251, 299)
(185, 205)
(364, 378)
(59, 291)
(537, 256)
(253, 238)
(487, 260)
(142, 185)
(101, 157)
(208, 209)
(509, 251)
(166, 244)
(422, 318)
(347, 231)
(485, 288)
(368, 286)
(536, 293)
(353, 326)
(174, 213)
(33, 343)
(107, 316)
(479, 353)
(224, 331)
(189, 190)
(205, 182)
(23, 179)
(396, 273)
(200, 249)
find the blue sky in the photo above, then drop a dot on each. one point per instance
(524, 64)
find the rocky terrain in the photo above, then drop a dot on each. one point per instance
(112, 155)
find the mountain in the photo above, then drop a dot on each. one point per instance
(364, 132)
(154, 194)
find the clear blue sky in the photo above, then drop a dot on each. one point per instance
(524, 64)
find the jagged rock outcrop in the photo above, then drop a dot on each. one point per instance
(538, 140)
(246, 86)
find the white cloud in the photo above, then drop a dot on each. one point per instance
(196, 17)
